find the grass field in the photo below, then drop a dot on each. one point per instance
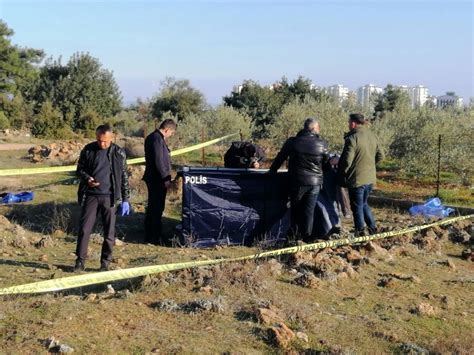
(339, 312)
(411, 292)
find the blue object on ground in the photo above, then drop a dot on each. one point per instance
(15, 198)
(431, 208)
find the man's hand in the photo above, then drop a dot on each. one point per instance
(91, 182)
(124, 208)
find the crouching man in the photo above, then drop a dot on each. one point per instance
(243, 155)
(102, 169)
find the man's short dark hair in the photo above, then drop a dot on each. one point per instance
(357, 118)
(249, 150)
(168, 123)
(103, 129)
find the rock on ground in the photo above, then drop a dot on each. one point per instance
(424, 309)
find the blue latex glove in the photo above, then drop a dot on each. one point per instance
(124, 208)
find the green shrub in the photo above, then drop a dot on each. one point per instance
(4, 122)
(128, 123)
(411, 137)
(48, 123)
(88, 122)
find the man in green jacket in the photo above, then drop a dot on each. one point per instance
(356, 170)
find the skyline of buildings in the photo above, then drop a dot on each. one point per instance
(366, 92)
(449, 100)
(339, 91)
(418, 95)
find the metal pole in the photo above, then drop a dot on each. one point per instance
(439, 166)
(203, 156)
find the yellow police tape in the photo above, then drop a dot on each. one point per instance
(115, 275)
(62, 169)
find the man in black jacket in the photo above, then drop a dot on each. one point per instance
(157, 178)
(244, 155)
(307, 153)
(102, 169)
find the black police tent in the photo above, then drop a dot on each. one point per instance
(233, 206)
(241, 206)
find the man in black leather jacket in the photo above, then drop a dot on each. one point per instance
(244, 155)
(102, 169)
(307, 153)
(157, 177)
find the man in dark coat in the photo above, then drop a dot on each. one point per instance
(243, 155)
(356, 170)
(102, 169)
(157, 178)
(307, 153)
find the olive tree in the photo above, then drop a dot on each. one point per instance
(332, 119)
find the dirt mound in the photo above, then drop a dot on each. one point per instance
(135, 175)
(310, 268)
(4, 222)
(328, 265)
(14, 237)
(8, 227)
(215, 305)
(462, 232)
(134, 146)
(274, 326)
(62, 153)
(209, 279)
(428, 240)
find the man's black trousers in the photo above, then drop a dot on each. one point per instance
(94, 205)
(154, 212)
(303, 201)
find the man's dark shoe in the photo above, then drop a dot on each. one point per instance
(334, 236)
(79, 266)
(104, 267)
(335, 230)
(360, 233)
(373, 231)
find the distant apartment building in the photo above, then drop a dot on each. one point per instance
(418, 95)
(449, 100)
(279, 84)
(432, 101)
(404, 88)
(365, 92)
(276, 85)
(237, 89)
(339, 92)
